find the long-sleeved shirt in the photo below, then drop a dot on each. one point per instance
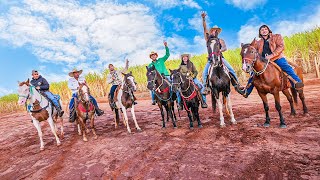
(41, 82)
(117, 75)
(73, 84)
(159, 63)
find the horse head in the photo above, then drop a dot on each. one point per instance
(177, 80)
(249, 56)
(151, 77)
(84, 93)
(213, 45)
(23, 92)
(129, 81)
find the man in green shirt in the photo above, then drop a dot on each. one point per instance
(161, 68)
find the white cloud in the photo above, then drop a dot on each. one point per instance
(167, 4)
(4, 91)
(284, 27)
(246, 4)
(177, 22)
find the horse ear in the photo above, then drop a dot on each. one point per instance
(130, 73)
(253, 42)
(242, 44)
(147, 68)
(170, 71)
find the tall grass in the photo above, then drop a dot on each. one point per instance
(9, 103)
(303, 45)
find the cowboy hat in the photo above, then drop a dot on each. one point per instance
(215, 27)
(73, 71)
(152, 53)
(182, 55)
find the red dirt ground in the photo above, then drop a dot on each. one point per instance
(243, 151)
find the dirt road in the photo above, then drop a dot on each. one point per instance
(243, 151)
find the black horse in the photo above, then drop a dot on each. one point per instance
(164, 95)
(189, 94)
(219, 80)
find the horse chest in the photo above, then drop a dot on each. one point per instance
(41, 116)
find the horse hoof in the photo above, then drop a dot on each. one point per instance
(234, 122)
(266, 125)
(95, 137)
(306, 114)
(222, 125)
(58, 144)
(175, 127)
(139, 130)
(200, 126)
(191, 128)
(41, 148)
(85, 139)
(283, 126)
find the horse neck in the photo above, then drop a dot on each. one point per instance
(186, 83)
(161, 82)
(259, 65)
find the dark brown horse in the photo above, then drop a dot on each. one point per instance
(189, 95)
(164, 95)
(84, 110)
(124, 99)
(268, 78)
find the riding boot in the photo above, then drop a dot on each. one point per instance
(99, 112)
(203, 103)
(72, 115)
(298, 86)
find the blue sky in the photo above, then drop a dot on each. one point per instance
(55, 36)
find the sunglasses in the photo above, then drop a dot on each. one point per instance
(35, 74)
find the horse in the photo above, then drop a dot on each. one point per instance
(189, 94)
(219, 81)
(40, 109)
(269, 78)
(124, 99)
(164, 95)
(84, 110)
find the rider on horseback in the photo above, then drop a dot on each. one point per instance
(161, 68)
(187, 68)
(214, 32)
(114, 78)
(42, 85)
(73, 84)
(271, 46)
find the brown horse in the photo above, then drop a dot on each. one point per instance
(84, 110)
(269, 78)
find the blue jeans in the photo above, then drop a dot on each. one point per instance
(52, 98)
(74, 95)
(177, 93)
(206, 68)
(112, 90)
(283, 64)
(197, 82)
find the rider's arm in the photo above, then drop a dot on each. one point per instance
(165, 57)
(126, 67)
(223, 45)
(279, 45)
(205, 31)
(109, 79)
(44, 85)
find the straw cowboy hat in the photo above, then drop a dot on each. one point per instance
(183, 55)
(73, 71)
(215, 27)
(152, 53)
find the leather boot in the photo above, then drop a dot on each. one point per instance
(72, 116)
(99, 112)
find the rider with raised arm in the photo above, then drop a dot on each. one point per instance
(42, 85)
(158, 63)
(214, 32)
(188, 68)
(73, 85)
(271, 47)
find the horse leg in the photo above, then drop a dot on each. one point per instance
(61, 128)
(222, 124)
(93, 127)
(79, 128)
(52, 126)
(36, 124)
(162, 115)
(117, 118)
(195, 111)
(125, 116)
(278, 108)
(167, 109)
(289, 98)
(169, 112)
(174, 114)
(83, 129)
(213, 102)
(190, 118)
(266, 108)
(134, 118)
(305, 109)
(229, 105)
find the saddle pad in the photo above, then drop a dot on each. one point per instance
(82, 109)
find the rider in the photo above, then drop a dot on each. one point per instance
(271, 47)
(161, 68)
(73, 84)
(114, 78)
(42, 85)
(187, 67)
(214, 32)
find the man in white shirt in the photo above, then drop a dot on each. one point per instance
(73, 84)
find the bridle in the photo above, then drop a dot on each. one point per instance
(217, 53)
(154, 81)
(256, 54)
(81, 94)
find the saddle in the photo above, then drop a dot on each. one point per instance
(285, 83)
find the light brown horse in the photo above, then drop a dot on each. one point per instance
(84, 110)
(269, 78)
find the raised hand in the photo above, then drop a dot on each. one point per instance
(203, 14)
(165, 43)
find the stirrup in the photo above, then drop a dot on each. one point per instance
(299, 86)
